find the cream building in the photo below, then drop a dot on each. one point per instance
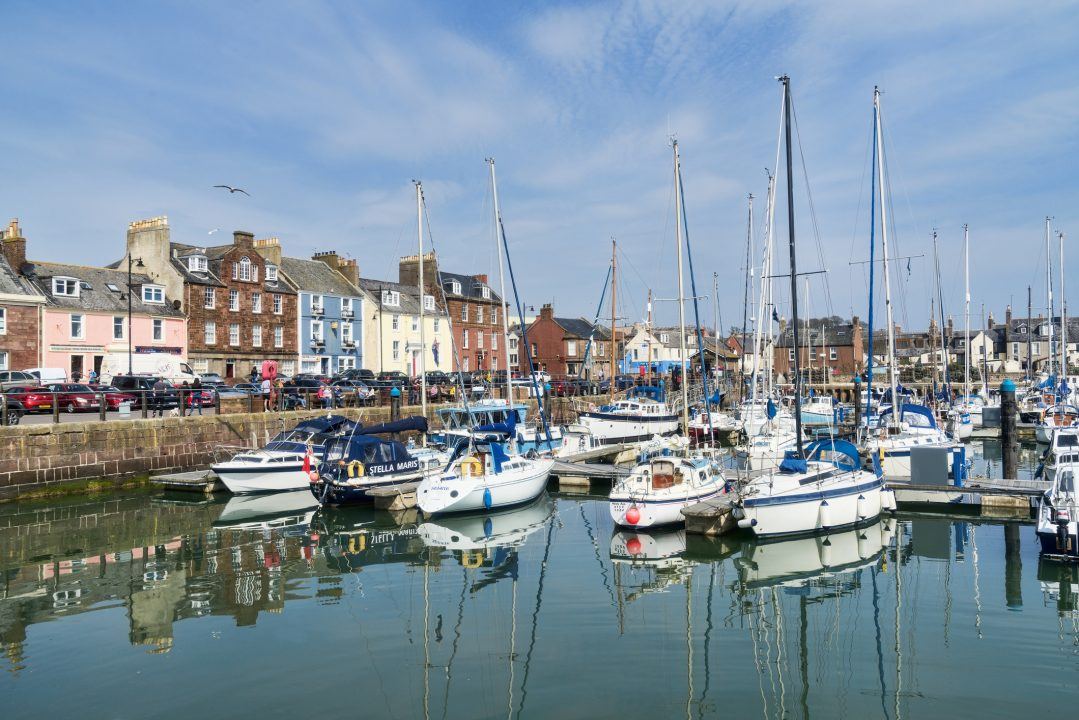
(391, 330)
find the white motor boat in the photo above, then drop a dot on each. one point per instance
(960, 423)
(636, 418)
(827, 491)
(1063, 451)
(1058, 516)
(1061, 415)
(279, 465)
(485, 530)
(460, 422)
(972, 405)
(818, 411)
(484, 478)
(890, 443)
(704, 424)
(662, 484)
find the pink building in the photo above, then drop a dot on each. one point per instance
(85, 325)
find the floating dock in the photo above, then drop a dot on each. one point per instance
(395, 497)
(200, 481)
(581, 475)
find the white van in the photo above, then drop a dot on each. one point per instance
(171, 367)
(48, 375)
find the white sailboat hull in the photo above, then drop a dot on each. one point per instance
(451, 493)
(814, 508)
(610, 429)
(655, 512)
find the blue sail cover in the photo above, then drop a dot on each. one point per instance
(324, 424)
(909, 409)
(791, 463)
(498, 455)
(844, 455)
(507, 427)
(771, 409)
(416, 423)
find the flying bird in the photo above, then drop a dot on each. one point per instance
(233, 190)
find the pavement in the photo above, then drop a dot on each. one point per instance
(40, 418)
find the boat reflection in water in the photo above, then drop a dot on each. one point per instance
(483, 531)
(793, 561)
(273, 510)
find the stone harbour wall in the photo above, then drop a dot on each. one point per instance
(56, 458)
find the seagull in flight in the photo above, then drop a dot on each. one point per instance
(233, 189)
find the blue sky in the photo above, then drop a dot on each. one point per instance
(326, 111)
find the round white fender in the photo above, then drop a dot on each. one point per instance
(863, 507)
(824, 519)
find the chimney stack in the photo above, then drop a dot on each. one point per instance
(243, 239)
(270, 249)
(346, 266)
(1008, 316)
(408, 272)
(546, 312)
(150, 241)
(14, 246)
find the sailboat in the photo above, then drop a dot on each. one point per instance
(902, 426)
(957, 421)
(662, 483)
(821, 487)
(1061, 414)
(968, 405)
(488, 472)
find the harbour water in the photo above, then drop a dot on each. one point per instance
(130, 605)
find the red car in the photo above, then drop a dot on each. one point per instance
(32, 399)
(113, 397)
(74, 397)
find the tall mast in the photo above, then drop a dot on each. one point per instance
(1063, 342)
(1030, 332)
(648, 371)
(423, 334)
(794, 265)
(966, 342)
(614, 305)
(681, 289)
(502, 287)
(809, 339)
(745, 303)
(896, 409)
(1049, 294)
(715, 322)
(985, 358)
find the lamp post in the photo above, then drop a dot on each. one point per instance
(130, 333)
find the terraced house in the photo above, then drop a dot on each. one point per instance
(240, 309)
(87, 310)
(330, 310)
(392, 335)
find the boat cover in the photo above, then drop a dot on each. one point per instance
(853, 460)
(650, 391)
(416, 423)
(909, 409)
(324, 424)
(507, 427)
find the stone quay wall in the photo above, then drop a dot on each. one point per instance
(55, 458)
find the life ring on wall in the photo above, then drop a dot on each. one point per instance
(471, 466)
(355, 469)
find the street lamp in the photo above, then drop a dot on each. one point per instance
(138, 264)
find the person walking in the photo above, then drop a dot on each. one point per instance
(93, 377)
(196, 396)
(254, 374)
(265, 387)
(159, 389)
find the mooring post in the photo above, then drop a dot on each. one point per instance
(395, 406)
(1013, 567)
(1008, 445)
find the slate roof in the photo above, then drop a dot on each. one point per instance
(470, 287)
(716, 346)
(581, 328)
(97, 297)
(409, 296)
(212, 276)
(315, 276)
(829, 335)
(12, 283)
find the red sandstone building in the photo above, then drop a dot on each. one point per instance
(474, 309)
(835, 345)
(21, 307)
(559, 346)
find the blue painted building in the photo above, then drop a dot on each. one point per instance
(330, 312)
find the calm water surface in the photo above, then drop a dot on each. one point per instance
(131, 606)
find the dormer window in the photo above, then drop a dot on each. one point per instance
(153, 294)
(65, 287)
(242, 270)
(429, 303)
(664, 338)
(271, 273)
(486, 292)
(197, 263)
(455, 287)
(391, 298)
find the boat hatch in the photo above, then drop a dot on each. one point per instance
(664, 475)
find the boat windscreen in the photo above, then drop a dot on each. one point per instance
(1067, 440)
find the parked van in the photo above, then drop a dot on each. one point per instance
(171, 367)
(46, 376)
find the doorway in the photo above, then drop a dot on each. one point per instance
(76, 368)
(230, 368)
